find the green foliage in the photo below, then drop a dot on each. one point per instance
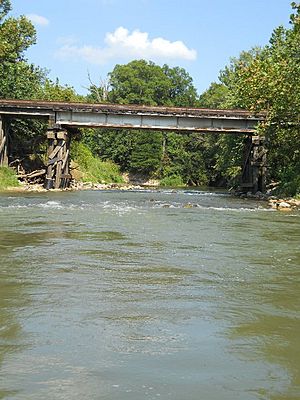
(115, 145)
(93, 169)
(172, 181)
(8, 178)
(262, 79)
(139, 82)
(20, 80)
(290, 181)
(269, 79)
(183, 156)
(214, 97)
(146, 152)
(5, 8)
(143, 82)
(54, 91)
(181, 92)
(16, 34)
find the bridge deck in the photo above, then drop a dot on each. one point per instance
(134, 116)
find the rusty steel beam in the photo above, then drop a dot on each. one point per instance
(78, 115)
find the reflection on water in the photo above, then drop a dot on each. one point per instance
(171, 295)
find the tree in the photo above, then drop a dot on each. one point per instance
(146, 153)
(269, 79)
(182, 92)
(16, 34)
(139, 82)
(184, 158)
(18, 78)
(22, 80)
(215, 97)
(143, 82)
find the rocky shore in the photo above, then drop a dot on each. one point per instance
(284, 204)
(276, 203)
(26, 187)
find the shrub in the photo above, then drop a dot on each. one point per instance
(8, 178)
(92, 168)
(172, 181)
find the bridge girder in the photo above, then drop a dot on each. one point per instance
(135, 117)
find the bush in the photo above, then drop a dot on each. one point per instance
(172, 181)
(92, 168)
(8, 178)
(289, 182)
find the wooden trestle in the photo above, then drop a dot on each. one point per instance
(4, 127)
(254, 173)
(58, 176)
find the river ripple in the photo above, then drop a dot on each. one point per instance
(146, 295)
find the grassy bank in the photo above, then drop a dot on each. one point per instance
(172, 181)
(87, 168)
(8, 178)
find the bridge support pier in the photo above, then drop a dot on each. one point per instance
(254, 171)
(4, 126)
(58, 176)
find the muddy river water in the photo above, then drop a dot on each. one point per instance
(183, 295)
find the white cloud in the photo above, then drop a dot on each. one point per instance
(123, 44)
(38, 19)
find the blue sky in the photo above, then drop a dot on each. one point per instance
(81, 37)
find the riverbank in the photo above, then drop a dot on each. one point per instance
(275, 202)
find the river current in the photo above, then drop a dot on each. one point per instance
(184, 295)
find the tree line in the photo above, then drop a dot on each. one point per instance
(262, 78)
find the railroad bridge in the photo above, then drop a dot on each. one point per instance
(64, 117)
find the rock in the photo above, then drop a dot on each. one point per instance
(250, 195)
(294, 203)
(260, 196)
(283, 206)
(76, 174)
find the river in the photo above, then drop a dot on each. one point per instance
(119, 295)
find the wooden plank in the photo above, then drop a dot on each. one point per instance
(53, 161)
(66, 176)
(1, 129)
(2, 144)
(33, 174)
(58, 169)
(62, 135)
(56, 150)
(65, 160)
(247, 185)
(51, 135)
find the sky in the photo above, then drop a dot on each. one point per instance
(78, 39)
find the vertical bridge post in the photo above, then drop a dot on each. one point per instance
(3, 142)
(254, 171)
(58, 176)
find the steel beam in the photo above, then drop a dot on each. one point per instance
(135, 117)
